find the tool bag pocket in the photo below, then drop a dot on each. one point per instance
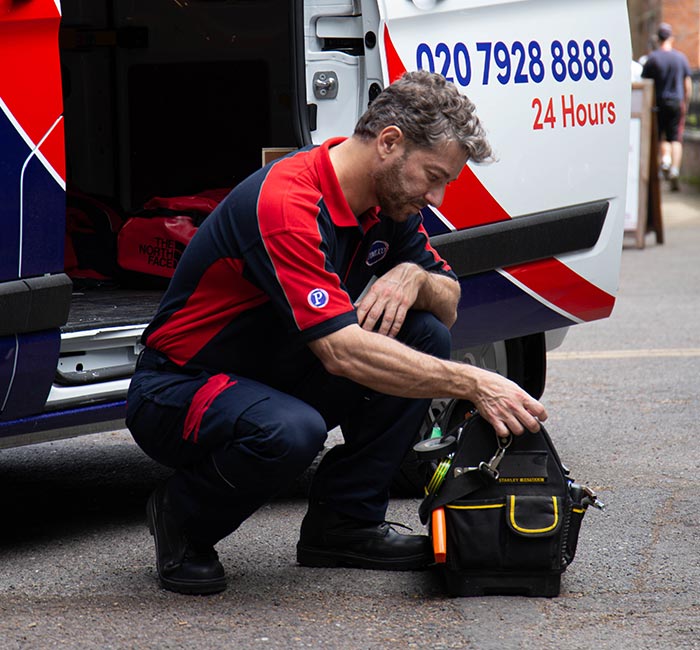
(574, 521)
(513, 533)
(511, 515)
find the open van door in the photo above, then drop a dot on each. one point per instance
(341, 68)
(536, 236)
(34, 292)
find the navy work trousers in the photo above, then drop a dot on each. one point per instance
(235, 441)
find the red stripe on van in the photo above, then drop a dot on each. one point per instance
(30, 77)
(565, 288)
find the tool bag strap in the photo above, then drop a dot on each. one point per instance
(456, 488)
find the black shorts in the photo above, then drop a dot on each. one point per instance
(671, 117)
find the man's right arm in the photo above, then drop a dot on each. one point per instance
(388, 366)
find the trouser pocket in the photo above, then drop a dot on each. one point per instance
(157, 407)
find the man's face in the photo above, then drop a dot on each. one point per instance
(415, 178)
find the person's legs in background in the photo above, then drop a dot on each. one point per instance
(676, 159)
(671, 121)
(665, 158)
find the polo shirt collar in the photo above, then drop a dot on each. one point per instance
(333, 196)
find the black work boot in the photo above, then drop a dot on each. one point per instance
(183, 566)
(331, 539)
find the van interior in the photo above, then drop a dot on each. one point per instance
(162, 98)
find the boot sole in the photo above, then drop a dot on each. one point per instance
(189, 587)
(316, 557)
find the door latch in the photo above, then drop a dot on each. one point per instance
(325, 85)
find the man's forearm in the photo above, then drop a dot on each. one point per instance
(388, 366)
(403, 287)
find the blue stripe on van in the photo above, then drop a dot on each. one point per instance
(43, 215)
(492, 309)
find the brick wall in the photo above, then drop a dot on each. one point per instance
(684, 17)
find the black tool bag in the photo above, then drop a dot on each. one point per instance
(506, 508)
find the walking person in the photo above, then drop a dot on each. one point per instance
(670, 71)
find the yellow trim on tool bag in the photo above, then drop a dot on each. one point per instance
(578, 511)
(532, 531)
(484, 507)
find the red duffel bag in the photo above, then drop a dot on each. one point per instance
(151, 242)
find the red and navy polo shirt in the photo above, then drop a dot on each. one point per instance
(278, 263)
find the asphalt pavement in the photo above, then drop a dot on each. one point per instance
(76, 561)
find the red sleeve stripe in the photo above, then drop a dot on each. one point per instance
(289, 229)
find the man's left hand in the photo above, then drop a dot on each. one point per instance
(388, 300)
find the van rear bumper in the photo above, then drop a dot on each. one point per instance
(496, 306)
(524, 239)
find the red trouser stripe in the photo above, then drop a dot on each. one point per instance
(202, 401)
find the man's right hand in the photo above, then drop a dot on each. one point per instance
(506, 406)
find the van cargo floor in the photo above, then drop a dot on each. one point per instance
(99, 307)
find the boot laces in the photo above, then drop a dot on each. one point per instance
(396, 523)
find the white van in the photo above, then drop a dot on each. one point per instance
(125, 101)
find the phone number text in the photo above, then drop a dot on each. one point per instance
(517, 62)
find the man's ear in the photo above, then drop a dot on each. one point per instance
(389, 141)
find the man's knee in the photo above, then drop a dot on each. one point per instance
(425, 332)
(291, 436)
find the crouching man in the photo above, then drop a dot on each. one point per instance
(265, 340)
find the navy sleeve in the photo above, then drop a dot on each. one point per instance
(411, 243)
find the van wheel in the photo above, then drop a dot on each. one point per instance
(522, 360)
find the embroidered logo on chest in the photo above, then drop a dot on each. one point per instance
(377, 252)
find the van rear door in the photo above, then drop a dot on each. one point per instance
(537, 235)
(34, 293)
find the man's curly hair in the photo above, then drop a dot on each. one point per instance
(429, 111)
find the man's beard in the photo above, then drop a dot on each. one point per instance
(392, 195)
